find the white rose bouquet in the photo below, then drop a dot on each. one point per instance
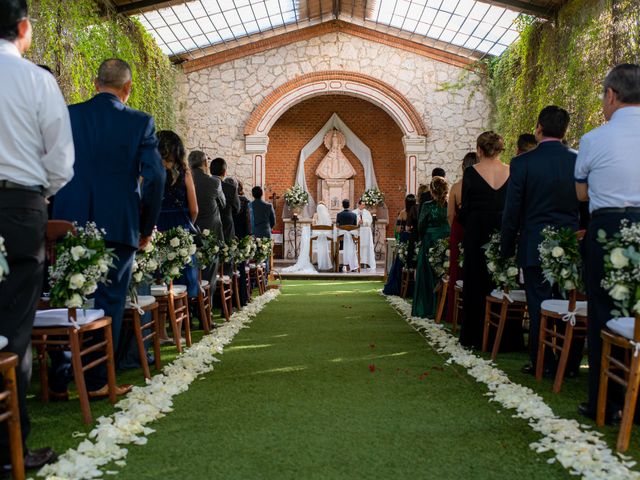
(263, 249)
(145, 265)
(622, 268)
(247, 248)
(209, 249)
(82, 262)
(175, 249)
(403, 253)
(503, 272)
(296, 197)
(439, 257)
(229, 252)
(373, 197)
(560, 258)
(4, 265)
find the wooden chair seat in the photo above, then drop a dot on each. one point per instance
(173, 304)
(501, 308)
(10, 412)
(79, 337)
(143, 332)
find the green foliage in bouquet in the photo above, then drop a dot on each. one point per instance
(263, 249)
(403, 252)
(230, 251)
(4, 265)
(296, 197)
(82, 262)
(208, 250)
(622, 268)
(373, 197)
(175, 248)
(439, 257)
(560, 258)
(144, 267)
(246, 249)
(504, 272)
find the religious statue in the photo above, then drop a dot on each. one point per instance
(335, 173)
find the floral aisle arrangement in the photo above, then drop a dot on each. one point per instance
(622, 268)
(576, 447)
(403, 252)
(263, 249)
(144, 267)
(175, 248)
(560, 258)
(209, 249)
(246, 249)
(295, 197)
(373, 197)
(460, 255)
(504, 272)
(104, 449)
(4, 265)
(82, 262)
(439, 257)
(229, 252)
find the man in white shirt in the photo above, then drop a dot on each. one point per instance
(607, 174)
(36, 160)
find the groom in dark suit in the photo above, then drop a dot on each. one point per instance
(118, 184)
(346, 216)
(541, 193)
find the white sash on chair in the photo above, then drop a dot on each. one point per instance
(322, 248)
(349, 250)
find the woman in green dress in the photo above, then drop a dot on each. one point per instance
(432, 226)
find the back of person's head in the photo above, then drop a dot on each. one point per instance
(422, 189)
(553, 121)
(438, 172)
(114, 74)
(409, 202)
(197, 159)
(240, 188)
(346, 203)
(469, 160)
(173, 153)
(439, 190)
(490, 144)
(624, 80)
(257, 192)
(218, 167)
(12, 12)
(526, 142)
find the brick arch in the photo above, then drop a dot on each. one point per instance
(330, 83)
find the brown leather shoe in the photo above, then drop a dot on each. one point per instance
(59, 396)
(104, 391)
(38, 458)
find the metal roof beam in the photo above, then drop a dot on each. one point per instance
(145, 5)
(523, 6)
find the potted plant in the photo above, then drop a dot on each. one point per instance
(373, 198)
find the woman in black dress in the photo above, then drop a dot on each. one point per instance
(484, 189)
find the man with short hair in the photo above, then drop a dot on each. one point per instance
(607, 174)
(346, 216)
(540, 194)
(115, 146)
(526, 142)
(263, 217)
(218, 169)
(36, 160)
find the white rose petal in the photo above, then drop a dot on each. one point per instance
(78, 252)
(491, 266)
(206, 232)
(557, 252)
(512, 271)
(192, 249)
(183, 252)
(152, 265)
(76, 281)
(619, 292)
(174, 271)
(618, 258)
(89, 288)
(174, 242)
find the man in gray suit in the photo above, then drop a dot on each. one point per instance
(218, 170)
(263, 218)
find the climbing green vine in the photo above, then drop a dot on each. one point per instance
(72, 37)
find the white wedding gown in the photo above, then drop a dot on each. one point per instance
(303, 264)
(367, 249)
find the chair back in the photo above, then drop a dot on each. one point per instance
(56, 229)
(636, 329)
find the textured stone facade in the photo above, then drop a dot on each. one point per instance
(220, 99)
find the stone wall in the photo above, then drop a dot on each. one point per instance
(220, 99)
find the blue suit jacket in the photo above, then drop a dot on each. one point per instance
(115, 145)
(263, 218)
(541, 192)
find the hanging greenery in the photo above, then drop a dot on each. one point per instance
(72, 37)
(563, 62)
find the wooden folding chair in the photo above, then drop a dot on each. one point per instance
(225, 291)
(132, 320)
(10, 412)
(203, 302)
(511, 307)
(173, 301)
(320, 228)
(340, 238)
(235, 285)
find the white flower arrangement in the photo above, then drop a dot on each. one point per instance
(560, 258)
(247, 249)
(504, 272)
(175, 248)
(208, 250)
(263, 249)
(145, 265)
(82, 263)
(373, 197)
(4, 265)
(622, 268)
(460, 255)
(576, 447)
(438, 257)
(104, 445)
(403, 253)
(296, 197)
(230, 252)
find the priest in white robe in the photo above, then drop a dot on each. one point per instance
(367, 250)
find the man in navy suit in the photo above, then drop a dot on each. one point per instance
(346, 216)
(115, 146)
(541, 193)
(263, 218)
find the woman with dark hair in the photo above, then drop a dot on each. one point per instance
(432, 226)
(457, 233)
(242, 227)
(484, 189)
(402, 230)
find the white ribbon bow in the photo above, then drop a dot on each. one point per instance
(137, 307)
(570, 317)
(507, 296)
(636, 347)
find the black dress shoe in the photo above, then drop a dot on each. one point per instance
(33, 460)
(529, 369)
(610, 418)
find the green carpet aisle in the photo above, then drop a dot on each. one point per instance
(329, 382)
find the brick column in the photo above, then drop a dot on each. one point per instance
(256, 146)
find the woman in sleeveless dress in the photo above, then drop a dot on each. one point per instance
(402, 231)
(457, 234)
(484, 189)
(432, 226)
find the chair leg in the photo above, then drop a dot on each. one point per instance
(629, 410)
(604, 383)
(564, 358)
(236, 292)
(442, 301)
(78, 375)
(142, 352)
(542, 337)
(111, 364)
(44, 371)
(13, 426)
(487, 324)
(501, 324)
(156, 338)
(186, 321)
(456, 308)
(206, 321)
(174, 322)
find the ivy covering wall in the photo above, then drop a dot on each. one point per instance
(72, 37)
(563, 62)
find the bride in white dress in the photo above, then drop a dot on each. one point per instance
(303, 264)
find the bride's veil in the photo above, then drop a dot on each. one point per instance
(323, 215)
